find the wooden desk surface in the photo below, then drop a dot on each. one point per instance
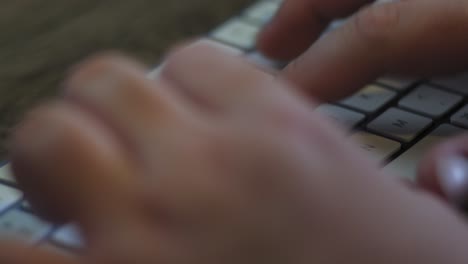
(40, 39)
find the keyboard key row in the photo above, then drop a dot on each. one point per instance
(370, 99)
(406, 165)
(265, 63)
(399, 124)
(458, 83)
(262, 12)
(8, 197)
(397, 83)
(22, 226)
(340, 115)
(430, 101)
(238, 33)
(378, 148)
(395, 123)
(425, 100)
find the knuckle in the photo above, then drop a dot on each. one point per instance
(374, 24)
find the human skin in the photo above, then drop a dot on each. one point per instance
(215, 162)
(413, 37)
(409, 38)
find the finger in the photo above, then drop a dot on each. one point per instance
(444, 171)
(221, 82)
(156, 124)
(19, 254)
(72, 168)
(299, 23)
(397, 37)
(116, 90)
(160, 131)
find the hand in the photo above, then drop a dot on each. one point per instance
(215, 163)
(416, 37)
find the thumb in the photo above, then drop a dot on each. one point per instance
(444, 171)
(417, 37)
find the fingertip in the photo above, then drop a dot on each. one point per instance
(38, 122)
(444, 172)
(427, 177)
(452, 172)
(31, 143)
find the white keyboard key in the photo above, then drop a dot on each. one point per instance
(399, 124)
(8, 197)
(342, 116)
(458, 83)
(22, 226)
(397, 83)
(334, 25)
(220, 46)
(25, 205)
(370, 99)
(337, 23)
(262, 12)
(407, 164)
(430, 101)
(237, 33)
(378, 148)
(68, 236)
(460, 118)
(265, 63)
(155, 73)
(6, 174)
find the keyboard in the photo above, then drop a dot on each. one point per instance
(394, 120)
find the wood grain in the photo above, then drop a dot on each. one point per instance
(41, 39)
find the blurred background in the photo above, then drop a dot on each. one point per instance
(41, 39)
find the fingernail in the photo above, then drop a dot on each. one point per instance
(453, 178)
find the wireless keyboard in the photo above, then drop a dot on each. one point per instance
(394, 120)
